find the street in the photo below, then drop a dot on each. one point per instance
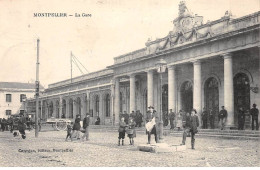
(51, 149)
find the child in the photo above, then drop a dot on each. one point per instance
(121, 130)
(131, 131)
(69, 132)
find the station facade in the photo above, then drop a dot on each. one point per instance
(196, 65)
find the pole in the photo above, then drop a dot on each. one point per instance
(71, 66)
(37, 90)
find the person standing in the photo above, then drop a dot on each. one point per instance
(194, 124)
(222, 117)
(121, 130)
(212, 118)
(86, 121)
(171, 118)
(126, 116)
(22, 126)
(241, 118)
(186, 127)
(205, 118)
(131, 130)
(139, 118)
(76, 128)
(254, 113)
(151, 115)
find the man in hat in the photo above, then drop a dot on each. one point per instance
(151, 114)
(172, 118)
(254, 113)
(86, 121)
(222, 117)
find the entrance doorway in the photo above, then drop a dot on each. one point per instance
(211, 95)
(165, 104)
(187, 96)
(241, 94)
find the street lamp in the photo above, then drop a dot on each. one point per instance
(161, 68)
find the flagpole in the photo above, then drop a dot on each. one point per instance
(37, 90)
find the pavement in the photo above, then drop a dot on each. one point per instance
(50, 149)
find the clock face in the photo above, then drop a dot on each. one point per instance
(185, 22)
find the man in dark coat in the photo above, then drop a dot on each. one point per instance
(151, 113)
(241, 118)
(212, 118)
(186, 127)
(3, 124)
(76, 128)
(222, 117)
(126, 116)
(204, 118)
(171, 118)
(139, 118)
(22, 126)
(254, 113)
(86, 121)
(194, 124)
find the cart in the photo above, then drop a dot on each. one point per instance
(58, 123)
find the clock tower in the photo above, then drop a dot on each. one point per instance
(186, 20)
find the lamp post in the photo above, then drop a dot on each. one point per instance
(161, 68)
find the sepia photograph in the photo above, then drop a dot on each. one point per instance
(119, 83)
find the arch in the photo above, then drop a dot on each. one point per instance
(245, 71)
(182, 82)
(78, 106)
(186, 90)
(97, 102)
(211, 98)
(107, 104)
(71, 108)
(57, 104)
(165, 104)
(121, 102)
(50, 109)
(241, 93)
(63, 114)
(209, 76)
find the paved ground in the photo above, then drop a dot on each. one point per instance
(102, 150)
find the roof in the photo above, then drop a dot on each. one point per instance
(18, 85)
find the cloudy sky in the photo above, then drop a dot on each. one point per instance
(116, 27)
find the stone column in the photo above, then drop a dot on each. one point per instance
(132, 92)
(172, 95)
(60, 109)
(117, 101)
(150, 88)
(83, 103)
(228, 89)
(197, 95)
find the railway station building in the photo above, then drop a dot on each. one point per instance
(196, 65)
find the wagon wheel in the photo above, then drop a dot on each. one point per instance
(61, 125)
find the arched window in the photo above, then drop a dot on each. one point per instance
(97, 105)
(121, 102)
(187, 96)
(107, 106)
(241, 93)
(71, 109)
(50, 109)
(57, 109)
(63, 109)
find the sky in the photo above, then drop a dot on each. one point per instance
(115, 27)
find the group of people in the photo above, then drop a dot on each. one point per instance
(136, 116)
(74, 130)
